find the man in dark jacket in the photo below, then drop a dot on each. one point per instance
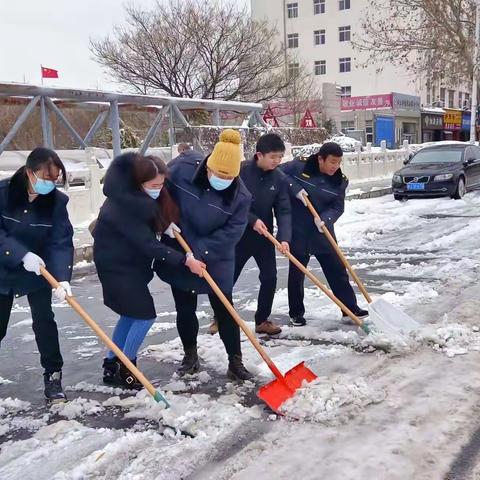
(269, 189)
(321, 179)
(184, 153)
(214, 206)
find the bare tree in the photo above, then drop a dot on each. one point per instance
(430, 37)
(195, 48)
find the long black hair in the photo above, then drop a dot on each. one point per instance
(41, 157)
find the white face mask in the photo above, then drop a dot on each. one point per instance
(219, 183)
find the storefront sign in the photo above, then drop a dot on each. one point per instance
(307, 121)
(452, 120)
(402, 101)
(270, 118)
(369, 102)
(466, 120)
(432, 122)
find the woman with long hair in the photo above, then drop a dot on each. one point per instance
(35, 232)
(137, 211)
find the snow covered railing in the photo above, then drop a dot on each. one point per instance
(361, 165)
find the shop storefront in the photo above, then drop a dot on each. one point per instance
(452, 124)
(406, 109)
(432, 125)
(466, 121)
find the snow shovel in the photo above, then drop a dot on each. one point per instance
(158, 397)
(385, 316)
(284, 387)
(318, 283)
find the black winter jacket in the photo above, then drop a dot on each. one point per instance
(126, 243)
(41, 227)
(327, 194)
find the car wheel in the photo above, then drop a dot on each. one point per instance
(461, 189)
(400, 198)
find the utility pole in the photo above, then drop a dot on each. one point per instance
(473, 120)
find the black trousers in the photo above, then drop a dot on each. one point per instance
(44, 326)
(335, 273)
(187, 321)
(264, 255)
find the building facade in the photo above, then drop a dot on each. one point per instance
(317, 35)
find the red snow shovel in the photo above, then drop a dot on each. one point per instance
(284, 387)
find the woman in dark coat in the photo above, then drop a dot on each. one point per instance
(127, 242)
(35, 231)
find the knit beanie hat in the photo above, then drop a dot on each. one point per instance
(226, 156)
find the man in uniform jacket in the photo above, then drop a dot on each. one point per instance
(321, 178)
(214, 206)
(269, 188)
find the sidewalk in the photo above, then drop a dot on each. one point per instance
(83, 241)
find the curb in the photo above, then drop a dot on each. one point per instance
(372, 194)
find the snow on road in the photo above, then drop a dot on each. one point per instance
(381, 408)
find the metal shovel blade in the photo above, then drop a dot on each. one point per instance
(278, 391)
(390, 319)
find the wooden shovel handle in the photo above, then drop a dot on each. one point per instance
(342, 257)
(314, 279)
(105, 338)
(240, 322)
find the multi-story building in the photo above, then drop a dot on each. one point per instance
(317, 36)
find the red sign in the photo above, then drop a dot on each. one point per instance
(270, 118)
(307, 121)
(369, 102)
(49, 73)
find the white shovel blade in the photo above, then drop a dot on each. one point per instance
(390, 319)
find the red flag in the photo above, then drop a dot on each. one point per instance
(49, 73)
(270, 118)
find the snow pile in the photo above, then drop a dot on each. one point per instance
(5, 381)
(331, 401)
(90, 387)
(160, 327)
(11, 419)
(452, 339)
(78, 407)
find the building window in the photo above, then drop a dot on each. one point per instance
(434, 95)
(345, 64)
(451, 98)
(320, 67)
(344, 34)
(318, 7)
(347, 125)
(467, 100)
(293, 69)
(369, 131)
(292, 10)
(319, 37)
(429, 99)
(344, 5)
(460, 100)
(346, 92)
(442, 96)
(292, 40)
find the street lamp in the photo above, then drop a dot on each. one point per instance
(473, 118)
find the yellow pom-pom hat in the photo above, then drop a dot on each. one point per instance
(226, 156)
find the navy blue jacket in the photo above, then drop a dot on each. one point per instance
(327, 194)
(212, 223)
(270, 194)
(186, 155)
(126, 243)
(41, 227)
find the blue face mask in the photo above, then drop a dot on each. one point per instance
(153, 192)
(43, 187)
(219, 183)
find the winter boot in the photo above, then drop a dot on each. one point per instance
(268, 327)
(298, 321)
(236, 369)
(53, 387)
(111, 367)
(190, 363)
(128, 379)
(361, 314)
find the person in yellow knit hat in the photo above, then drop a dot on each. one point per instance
(214, 205)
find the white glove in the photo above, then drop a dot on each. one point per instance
(172, 228)
(32, 263)
(300, 196)
(62, 291)
(319, 224)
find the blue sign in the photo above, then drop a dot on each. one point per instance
(385, 130)
(466, 120)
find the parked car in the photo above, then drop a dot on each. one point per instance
(437, 171)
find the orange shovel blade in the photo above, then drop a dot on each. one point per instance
(277, 391)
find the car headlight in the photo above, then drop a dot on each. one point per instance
(443, 177)
(397, 179)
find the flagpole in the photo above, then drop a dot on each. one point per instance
(41, 73)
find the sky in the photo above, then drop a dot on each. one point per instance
(56, 34)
